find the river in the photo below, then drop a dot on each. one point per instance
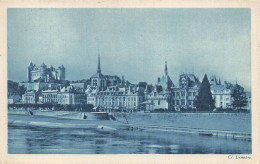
(51, 135)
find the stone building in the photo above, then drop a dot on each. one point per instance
(221, 93)
(71, 96)
(101, 82)
(44, 74)
(183, 96)
(66, 95)
(49, 96)
(222, 96)
(98, 80)
(116, 98)
(159, 96)
(30, 97)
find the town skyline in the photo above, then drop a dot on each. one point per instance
(175, 80)
(216, 43)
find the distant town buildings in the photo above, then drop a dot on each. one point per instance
(109, 92)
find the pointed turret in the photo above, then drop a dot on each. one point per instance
(31, 64)
(219, 82)
(146, 89)
(165, 69)
(43, 64)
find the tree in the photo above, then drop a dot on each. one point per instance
(239, 97)
(204, 100)
(21, 90)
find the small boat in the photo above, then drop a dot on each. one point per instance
(105, 128)
(206, 134)
(30, 112)
(111, 117)
(85, 116)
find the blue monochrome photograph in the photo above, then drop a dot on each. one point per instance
(129, 80)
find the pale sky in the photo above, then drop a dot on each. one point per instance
(132, 42)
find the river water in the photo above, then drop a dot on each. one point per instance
(52, 136)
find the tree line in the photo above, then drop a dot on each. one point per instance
(205, 102)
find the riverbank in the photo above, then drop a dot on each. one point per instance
(235, 122)
(239, 122)
(48, 131)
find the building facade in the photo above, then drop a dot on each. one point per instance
(49, 96)
(14, 99)
(117, 98)
(185, 94)
(30, 97)
(159, 96)
(44, 74)
(65, 96)
(71, 96)
(222, 96)
(221, 93)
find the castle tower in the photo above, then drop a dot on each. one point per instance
(61, 73)
(29, 69)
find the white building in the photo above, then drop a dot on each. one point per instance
(49, 96)
(30, 97)
(71, 96)
(14, 99)
(222, 96)
(115, 97)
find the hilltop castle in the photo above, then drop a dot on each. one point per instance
(44, 74)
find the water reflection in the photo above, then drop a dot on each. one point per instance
(39, 140)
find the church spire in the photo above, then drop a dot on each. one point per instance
(99, 69)
(166, 70)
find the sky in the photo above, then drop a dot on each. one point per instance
(132, 42)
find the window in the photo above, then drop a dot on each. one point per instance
(182, 93)
(95, 82)
(102, 83)
(159, 102)
(182, 102)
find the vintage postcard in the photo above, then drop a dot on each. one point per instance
(110, 82)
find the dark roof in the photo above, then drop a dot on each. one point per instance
(217, 87)
(98, 75)
(165, 82)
